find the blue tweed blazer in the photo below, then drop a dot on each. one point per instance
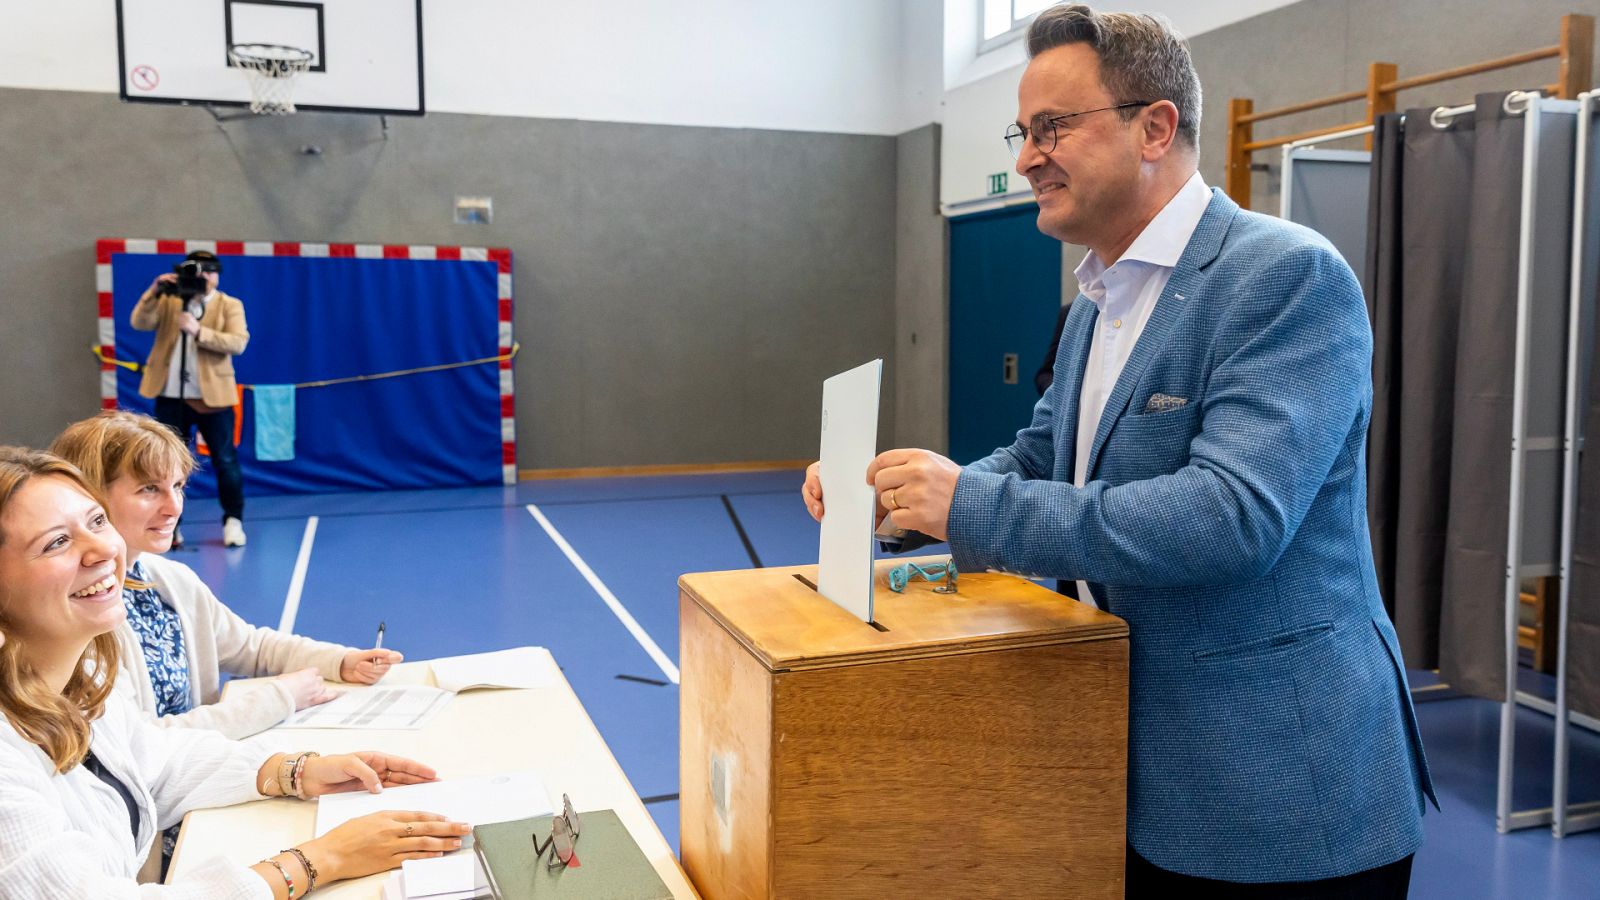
(1272, 736)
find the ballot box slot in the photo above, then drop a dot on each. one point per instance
(813, 586)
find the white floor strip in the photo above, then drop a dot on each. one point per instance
(628, 622)
(291, 602)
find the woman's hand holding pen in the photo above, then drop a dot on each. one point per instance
(367, 666)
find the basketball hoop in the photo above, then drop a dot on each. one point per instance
(271, 70)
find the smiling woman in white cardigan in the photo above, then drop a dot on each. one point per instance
(179, 637)
(87, 784)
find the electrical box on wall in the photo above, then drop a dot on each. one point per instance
(474, 210)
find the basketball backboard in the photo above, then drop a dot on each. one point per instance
(366, 54)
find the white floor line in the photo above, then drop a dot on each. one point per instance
(628, 622)
(291, 602)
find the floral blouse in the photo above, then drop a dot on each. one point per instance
(161, 635)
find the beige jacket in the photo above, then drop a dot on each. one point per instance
(223, 335)
(216, 640)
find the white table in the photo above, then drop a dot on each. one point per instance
(483, 731)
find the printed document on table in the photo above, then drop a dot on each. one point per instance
(849, 443)
(382, 707)
(476, 800)
(520, 667)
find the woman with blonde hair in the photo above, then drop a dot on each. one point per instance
(87, 784)
(178, 637)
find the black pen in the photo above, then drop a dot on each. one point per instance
(378, 645)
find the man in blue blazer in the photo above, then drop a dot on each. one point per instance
(1198, 468)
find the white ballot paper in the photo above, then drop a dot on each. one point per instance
(849, 442)
(520, 667)
(476, 800)
(382, 707)
(454, 876)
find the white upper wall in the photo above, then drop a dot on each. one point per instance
(852, 66)
(813, 65)
(964, 65)
(981, 94)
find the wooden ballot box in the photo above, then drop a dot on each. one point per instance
(966, 745)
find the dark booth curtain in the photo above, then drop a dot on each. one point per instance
(1441, 287)
(1472, 655)
(1417, 237)
(1380, 281)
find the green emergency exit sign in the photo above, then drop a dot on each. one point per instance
(997, 183)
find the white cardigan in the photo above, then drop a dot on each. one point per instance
(216, 640)
(66, 837)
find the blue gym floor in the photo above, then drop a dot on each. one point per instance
(468, 570)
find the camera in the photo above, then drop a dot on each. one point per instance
(191, 281)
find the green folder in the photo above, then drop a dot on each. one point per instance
(611, 866)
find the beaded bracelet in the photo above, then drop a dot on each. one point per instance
(299, 770)
(284, 872)
(311, 871)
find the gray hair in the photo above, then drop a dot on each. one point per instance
(1141, 58)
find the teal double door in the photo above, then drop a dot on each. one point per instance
(1005, 292)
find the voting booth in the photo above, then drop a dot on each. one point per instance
(972, 744)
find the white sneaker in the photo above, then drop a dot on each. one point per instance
(232, 532)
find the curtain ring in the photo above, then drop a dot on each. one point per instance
(1434, 120)
(1517, 102)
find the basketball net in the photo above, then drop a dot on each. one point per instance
(271, 70)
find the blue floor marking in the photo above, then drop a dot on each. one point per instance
(659, 487)
(666, 815)
(478, 580)
(252, 580)
(640, 548)
(552, 492)
(783, 533)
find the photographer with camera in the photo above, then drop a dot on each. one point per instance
(199, 330)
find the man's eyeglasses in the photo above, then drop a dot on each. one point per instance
(563, 839)
(1045, 128)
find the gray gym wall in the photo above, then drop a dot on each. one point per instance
(921, 317)
(680, 292)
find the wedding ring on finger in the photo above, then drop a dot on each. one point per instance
(893, 503)
(409, 828)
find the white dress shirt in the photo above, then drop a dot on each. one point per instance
(1125, 293)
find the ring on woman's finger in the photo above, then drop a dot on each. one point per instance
(409, 828)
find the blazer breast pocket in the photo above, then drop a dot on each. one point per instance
(1149, 444)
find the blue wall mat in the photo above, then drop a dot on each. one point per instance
(320, 318)
(1005, 291)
